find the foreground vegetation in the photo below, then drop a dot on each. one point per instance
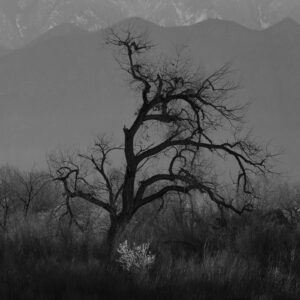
(200, 253)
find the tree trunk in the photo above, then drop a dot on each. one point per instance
(26, 209)
(114, 235)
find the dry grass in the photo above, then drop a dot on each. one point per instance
(248, 260)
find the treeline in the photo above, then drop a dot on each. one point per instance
(28, 195)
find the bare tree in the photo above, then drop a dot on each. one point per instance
(6, 197)
(27, 186)
(284, 199)
(183, 118)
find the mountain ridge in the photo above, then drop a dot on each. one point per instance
(71, 28)
(23, 21)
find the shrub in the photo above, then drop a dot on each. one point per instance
(135, 259)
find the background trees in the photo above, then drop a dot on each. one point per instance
(23, 192)
(27, 187)
(184, 123)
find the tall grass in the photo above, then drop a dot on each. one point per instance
(249, 259)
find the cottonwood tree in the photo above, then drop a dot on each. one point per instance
(183, 121)
(27, 187)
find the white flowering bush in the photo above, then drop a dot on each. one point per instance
(135, 259)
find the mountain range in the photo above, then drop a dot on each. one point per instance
(65, 87)
(23, 20)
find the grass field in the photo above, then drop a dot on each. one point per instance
(251, 258)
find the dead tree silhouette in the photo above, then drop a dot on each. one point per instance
(173, 131)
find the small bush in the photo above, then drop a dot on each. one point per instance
(135, 259)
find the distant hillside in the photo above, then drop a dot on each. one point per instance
(66, 86)
(21, 21)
